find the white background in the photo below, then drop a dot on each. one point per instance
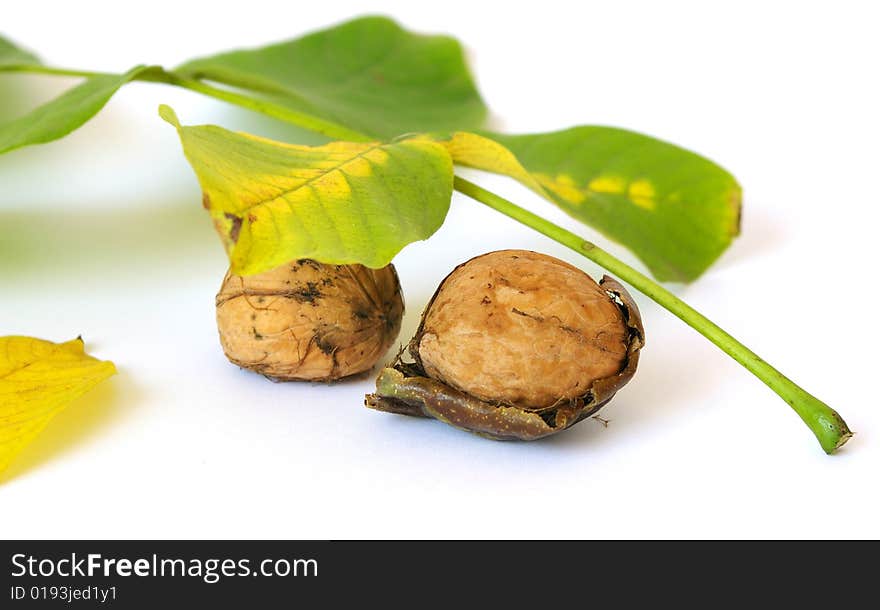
(103, 235)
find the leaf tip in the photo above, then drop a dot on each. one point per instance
(168, 115)
(76, 346)
(735, 199)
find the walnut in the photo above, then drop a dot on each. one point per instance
(516, 344)
(309, 321)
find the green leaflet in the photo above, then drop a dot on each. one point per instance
(342, 202)
(674, 209)
(11, 55)
(367, 74)
(677, 211)
(67, 112)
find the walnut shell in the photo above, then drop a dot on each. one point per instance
(309, 321)
(522, 329)
(516, 345)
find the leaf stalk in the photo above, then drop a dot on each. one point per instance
(826, 424)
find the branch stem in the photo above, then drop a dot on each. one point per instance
(49, 70)
(825, 423)
(277, 111)
(157, 74)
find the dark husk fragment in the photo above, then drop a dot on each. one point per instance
(403, 388)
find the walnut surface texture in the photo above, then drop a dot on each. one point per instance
(310, 321)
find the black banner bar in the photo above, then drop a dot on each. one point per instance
(151, 574)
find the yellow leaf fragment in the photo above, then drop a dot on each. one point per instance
(37, 380)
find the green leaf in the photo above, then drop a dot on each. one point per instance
(11, 55)
(677, 211)
(341, 203)
(67, 112)
(368, 74)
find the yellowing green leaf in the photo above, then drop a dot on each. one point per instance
(677, 211)
(37, 380)
(341, 203)
(368, 74)
(481, 152)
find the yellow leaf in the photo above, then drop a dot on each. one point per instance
(37, 380)
(340, 203)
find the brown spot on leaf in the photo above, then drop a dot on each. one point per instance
(236, 226)
(206, 201)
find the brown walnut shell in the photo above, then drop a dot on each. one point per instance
(516, 345)
(309, 321)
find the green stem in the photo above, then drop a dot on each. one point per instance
(824, 421)
(829, 428)
(283, 113)
(159, 75)
(40, 69)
